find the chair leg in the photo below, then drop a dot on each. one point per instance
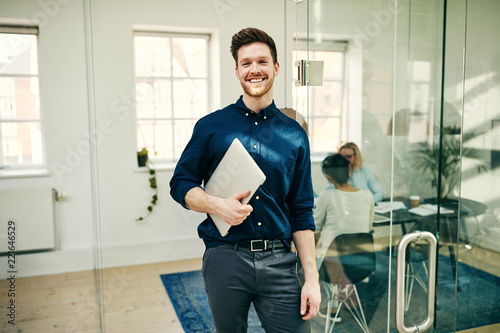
(412, 275)
(419, 279)
(327, 315)
(408, 285)
(334, 320)
(356, 312)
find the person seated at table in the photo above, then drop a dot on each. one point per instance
(359, 175)
(343, 210)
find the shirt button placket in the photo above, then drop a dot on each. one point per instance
(255, 135)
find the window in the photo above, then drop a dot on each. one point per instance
(172, 90)
(326, 104)
(20, 123)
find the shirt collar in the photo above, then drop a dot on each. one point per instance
(269, 111)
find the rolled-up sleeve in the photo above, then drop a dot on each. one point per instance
(191, 167)
(300, 199)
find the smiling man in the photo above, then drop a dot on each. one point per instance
(254, 262)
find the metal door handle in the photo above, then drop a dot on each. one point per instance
(400, 281)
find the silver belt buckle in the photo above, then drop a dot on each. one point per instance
(264, 246)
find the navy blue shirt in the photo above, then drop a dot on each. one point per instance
(279, 145)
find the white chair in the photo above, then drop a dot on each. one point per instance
(349, 260)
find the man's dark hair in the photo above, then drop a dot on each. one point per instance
(252, 35)
(337, 167)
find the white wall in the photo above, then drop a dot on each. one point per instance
(63, 89)
(124, 193)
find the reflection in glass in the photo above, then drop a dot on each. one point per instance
(325, 104)
(190, 58)
(152, 56)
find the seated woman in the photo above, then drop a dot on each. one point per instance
(342, 210)
(360, 176)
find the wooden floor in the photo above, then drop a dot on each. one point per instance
(134, 299)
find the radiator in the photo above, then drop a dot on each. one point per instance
(32, 214)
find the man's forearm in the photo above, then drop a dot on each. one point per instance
(304, 242)
(310, 297)
(231, 210)
(200, 201)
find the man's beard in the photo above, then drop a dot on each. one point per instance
(257, 91)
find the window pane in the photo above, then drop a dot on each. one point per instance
(19, 98)
(21, 143)
(300, 98)
(156, 136)
(18, 54)
(190, 98)
(327, 99)
(152, 56)
(333, 67)
(172, 90)
(183, 131)
(325, 134)
(153, 98)
(190, 57)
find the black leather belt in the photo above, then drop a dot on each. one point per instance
(261, 245)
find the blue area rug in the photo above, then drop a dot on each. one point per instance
(478, 301)
(187, 293)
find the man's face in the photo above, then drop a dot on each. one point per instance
(256, 70)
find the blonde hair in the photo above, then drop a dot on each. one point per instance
(354, 147)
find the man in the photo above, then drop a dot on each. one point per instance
(254, 262)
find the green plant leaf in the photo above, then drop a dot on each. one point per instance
(142, 152)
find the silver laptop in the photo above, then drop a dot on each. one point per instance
(236, 172)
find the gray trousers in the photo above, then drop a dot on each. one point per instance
(235, 277)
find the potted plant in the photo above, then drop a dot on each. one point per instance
(144, 161)
(142, 157)
(426, 159)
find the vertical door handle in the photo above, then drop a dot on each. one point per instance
(400, 281)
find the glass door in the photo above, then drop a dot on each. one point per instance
(392, 105)
(419, 82)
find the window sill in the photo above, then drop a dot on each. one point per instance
(24, 173)
(157, 167)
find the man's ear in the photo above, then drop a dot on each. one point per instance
(236, 72)
(329, 178)
(276, 68)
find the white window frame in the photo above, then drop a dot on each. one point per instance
(32, 169)
(213, 82)
(351, 117)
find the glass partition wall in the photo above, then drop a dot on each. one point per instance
(419, 84)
